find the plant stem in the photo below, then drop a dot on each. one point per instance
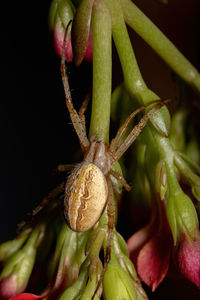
(133, 80)
(137, 20)
(102, 67)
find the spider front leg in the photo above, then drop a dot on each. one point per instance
(84, 107)
(121, 148)
(64, 168)
(116, 141)
(77, 120)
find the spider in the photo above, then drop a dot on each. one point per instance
(89, 188)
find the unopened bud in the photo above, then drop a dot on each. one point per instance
(117, 283)
(187, 258)
(181, 215)
(60, 14)
(17, 270)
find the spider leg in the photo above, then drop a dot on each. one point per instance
(135, 132)
(84, 107)
(116, 141)
(64, 168)
(52, 196)
(76, 119)
(111, 226)
(121, 179)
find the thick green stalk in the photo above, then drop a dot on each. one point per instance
(127, 58)
(133, 80)
(102, 67)
(137, 20)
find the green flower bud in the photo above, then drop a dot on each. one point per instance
(75, 290)
(10, 247)
(119, 243)
(117, 283)
(68, 256)
(63, 10)
(60, 14)
(181, 215)
(121, 253)
(94, 276)
(17, 270)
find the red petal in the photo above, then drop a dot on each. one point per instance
(26, 296)
(153, 260)
(137, 241)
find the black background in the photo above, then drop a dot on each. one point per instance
(35, 130)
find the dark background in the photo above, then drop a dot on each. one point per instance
(35, 130)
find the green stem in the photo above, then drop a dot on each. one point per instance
(133, 80)
(127, 57)
(102, 65)
(135, 18)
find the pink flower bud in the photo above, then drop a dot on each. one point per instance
(8, 286)
(187, 258)
(58, 37)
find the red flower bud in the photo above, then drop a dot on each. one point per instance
(58, 37)
(187, 258)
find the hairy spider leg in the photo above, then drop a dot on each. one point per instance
(64, 168)
(115, 143)
(135, 132)
(121, 179)
(84, 107)
(52, 196)
(76, 120)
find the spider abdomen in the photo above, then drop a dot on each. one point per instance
(86, 194)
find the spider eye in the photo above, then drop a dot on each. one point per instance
(86, 195)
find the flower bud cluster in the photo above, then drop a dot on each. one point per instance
(172, 234)
(19, 262)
